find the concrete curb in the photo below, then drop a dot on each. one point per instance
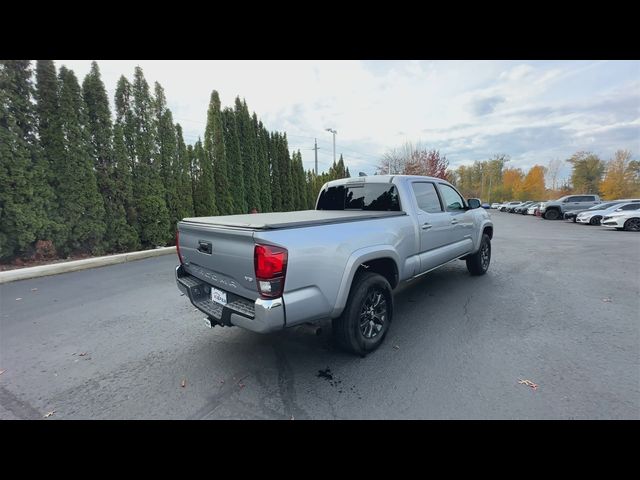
(56, 268)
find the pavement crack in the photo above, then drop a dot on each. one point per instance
(230, 387)
(286, 385)
(19, 408)
(466, 306)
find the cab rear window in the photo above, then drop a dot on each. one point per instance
(371, 196)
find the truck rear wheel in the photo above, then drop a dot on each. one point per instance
(365, 320)
(478, 263)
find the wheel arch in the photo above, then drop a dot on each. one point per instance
(383, 261)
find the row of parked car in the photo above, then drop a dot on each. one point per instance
(622, 214)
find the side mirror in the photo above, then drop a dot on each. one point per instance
(473, 203)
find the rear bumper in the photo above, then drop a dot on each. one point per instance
(261, 316)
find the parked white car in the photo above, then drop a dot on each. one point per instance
(532, 209)
(627, 219)
(495, 205)
(506, 205)
(593, 216)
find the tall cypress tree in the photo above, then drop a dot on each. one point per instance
(340, 168)
(125, 151)
(119, 235)
(80, 204)
(248, 152)
(125, 238)
(311, 199)
(22, 211)
(274, 160)
(262, 158)
(51, 149)
(302, 184)
(167, 155)
(285, 175)
(215, 151)
(204, 199)
(153, 217)
(295, 185)
(182, 174)
(234, 160)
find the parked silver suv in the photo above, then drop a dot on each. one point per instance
(556, 209)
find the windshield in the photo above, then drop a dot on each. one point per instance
(372, 196)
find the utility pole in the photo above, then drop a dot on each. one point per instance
(316, 151)
(334, 142)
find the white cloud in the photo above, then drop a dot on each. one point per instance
(469, 109)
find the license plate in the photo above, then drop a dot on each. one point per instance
(218, 296)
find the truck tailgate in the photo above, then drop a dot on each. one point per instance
(219, 256)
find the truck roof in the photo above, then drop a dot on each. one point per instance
(382, 179)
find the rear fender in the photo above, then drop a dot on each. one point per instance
(356, 259)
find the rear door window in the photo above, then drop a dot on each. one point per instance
(427, 197)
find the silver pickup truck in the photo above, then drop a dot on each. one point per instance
(269, 271)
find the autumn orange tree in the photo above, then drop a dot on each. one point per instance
(532, 187)
(622, 177)
(512, 179)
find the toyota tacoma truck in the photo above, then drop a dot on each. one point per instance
(342, 261)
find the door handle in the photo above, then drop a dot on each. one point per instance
(426, 226)
(454, 221)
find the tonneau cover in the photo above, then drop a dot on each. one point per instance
(275, 220)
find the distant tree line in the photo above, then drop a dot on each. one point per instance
(493, 181)
(77, 179)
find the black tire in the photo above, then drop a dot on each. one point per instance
(595, 220)
(552, 214)
(361, 337)
(632, 225)
(478, 263)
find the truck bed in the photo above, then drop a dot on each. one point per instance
(281, 220)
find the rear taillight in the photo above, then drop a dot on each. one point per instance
(178, 246)
(270, 268)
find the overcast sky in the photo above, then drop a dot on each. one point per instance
(533, 111)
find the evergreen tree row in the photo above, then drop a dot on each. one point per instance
(75, 179)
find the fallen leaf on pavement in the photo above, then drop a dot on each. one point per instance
(606, 299)
(34, 289)
(397, 347)
(49, 414)
(184, 383)
(19, 298)
(221, 381)
(528, 383)
(82, 354)
(2, 371)
(241, 385)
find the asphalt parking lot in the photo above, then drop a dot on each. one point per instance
(559, 307)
